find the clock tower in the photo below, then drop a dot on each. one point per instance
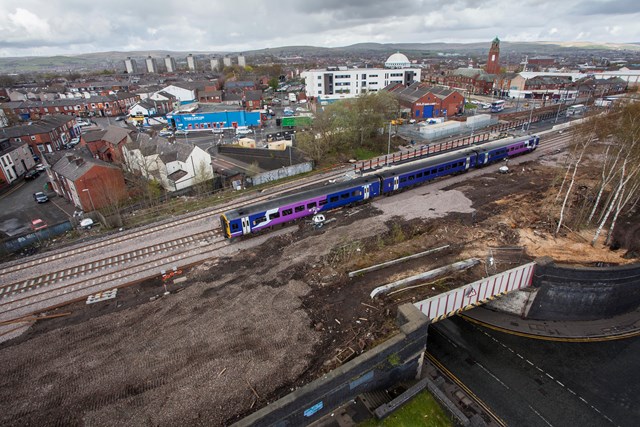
(493, 61)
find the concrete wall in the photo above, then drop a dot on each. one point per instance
(574, 293)
(283, 172)
(395, 360)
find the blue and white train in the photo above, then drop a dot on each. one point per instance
(263, 215)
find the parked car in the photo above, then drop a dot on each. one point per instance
(32, 174)
(217, 131)
(38, 224)
(181, 132)
(86, 223)
(40, 197)
(243, 131)
(165, 132)
(75, 141)
(120, 118)
(40, 167)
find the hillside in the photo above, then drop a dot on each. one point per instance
(113, 60)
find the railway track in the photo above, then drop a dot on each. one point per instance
(114, 262)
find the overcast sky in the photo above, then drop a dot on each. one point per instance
(48, 27)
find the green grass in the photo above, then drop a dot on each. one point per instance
(422, 410)
(470, 106)
(365, 154)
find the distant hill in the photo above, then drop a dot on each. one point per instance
(114, 60)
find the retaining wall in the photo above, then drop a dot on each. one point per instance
(397, 359)
(584, 293)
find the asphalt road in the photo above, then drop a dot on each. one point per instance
(19, 208)
(543, 383)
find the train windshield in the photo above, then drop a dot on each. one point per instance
(225, 226)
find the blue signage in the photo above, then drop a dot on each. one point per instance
(315, 408)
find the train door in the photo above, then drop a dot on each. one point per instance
(366, 192)
(246, 226)
(396, 182)
(467, 163)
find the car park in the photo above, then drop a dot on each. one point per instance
(40, 197)
(32, 174)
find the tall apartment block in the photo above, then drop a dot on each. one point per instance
(131, 65)
(191, 62)
(215, 64)
(170, 64)
(152, 66)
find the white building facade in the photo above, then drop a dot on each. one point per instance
(335, 83)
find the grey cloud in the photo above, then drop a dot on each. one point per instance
(607, 7)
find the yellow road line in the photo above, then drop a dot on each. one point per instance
(460, 384)
(547, 338)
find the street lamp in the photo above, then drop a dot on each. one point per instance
(93, 207)
(389, 144)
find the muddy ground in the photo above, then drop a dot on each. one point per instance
(241, 332)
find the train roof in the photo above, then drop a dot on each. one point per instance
(428, 162)
(298, 196)
(505, 142)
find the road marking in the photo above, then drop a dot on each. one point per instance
(541, 417)
(492, 376)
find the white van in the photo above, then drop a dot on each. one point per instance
(243, 131)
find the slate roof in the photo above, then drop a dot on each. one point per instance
(44, 125)
(253, 95)
(67, 102)
(74, 165)
(148, 146)
(115, 134)
(95, 135)
(11, 146)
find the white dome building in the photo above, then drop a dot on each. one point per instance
(397, 60)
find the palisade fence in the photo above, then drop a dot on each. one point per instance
(16, 244)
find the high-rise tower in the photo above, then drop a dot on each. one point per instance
(493, 61)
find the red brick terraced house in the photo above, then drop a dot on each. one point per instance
(107, 144)
(45, 135)
(109, 105)
(90, 184)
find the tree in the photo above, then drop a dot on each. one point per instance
(203, 176)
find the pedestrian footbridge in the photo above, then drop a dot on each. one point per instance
(476, 293)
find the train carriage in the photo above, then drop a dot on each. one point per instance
(283, 209)
(491, 152)
(416, 173)
(280, 210)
